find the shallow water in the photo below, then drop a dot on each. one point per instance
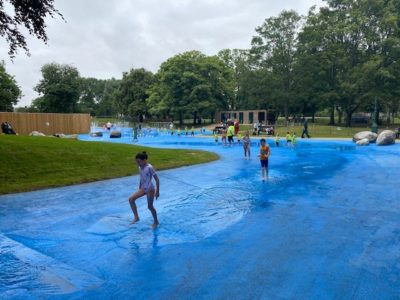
(325, 225)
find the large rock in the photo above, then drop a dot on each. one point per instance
(115, 134)
(363, 142)
(36, 133)
(386, 137)
(371, 136)
(96, 134)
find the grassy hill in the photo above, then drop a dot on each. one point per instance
(29, 163)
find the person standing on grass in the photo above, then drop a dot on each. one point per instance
(146, 187)
(305, 129)
(264, 155)
(246, 145)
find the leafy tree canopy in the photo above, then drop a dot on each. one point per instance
(9, 90)
(30, 14)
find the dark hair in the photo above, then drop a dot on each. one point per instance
(262, 140)
(142, 155)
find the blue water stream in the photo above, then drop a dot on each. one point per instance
(326, 225)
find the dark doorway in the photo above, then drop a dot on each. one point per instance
(271, 117)
(261, 116)
(223, 117)
(251, 117)
(241, 117)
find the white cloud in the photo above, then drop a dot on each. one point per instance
(104, 38)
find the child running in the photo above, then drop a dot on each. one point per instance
(146, 187)
(246, 145)
(264, 155)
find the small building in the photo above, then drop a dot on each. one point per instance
(246, 116)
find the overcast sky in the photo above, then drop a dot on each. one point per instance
(103, 38)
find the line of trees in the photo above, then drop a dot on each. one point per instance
(336, 60)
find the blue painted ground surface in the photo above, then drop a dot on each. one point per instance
(325, 226)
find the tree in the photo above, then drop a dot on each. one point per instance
(316, 66)
(273, 49)
(9, 90)
(133, 92)
(59, 89)
(92, 91)
(30, 14)
(107, 104)
(379, 74)
(238, 61)
(193, 84)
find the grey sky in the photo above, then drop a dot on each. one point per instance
(104, 38)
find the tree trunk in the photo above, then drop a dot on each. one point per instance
(349, 114)
(340, 114)
(180, 118)
(332, 115)
(348, 119)
(194, 118)
(212, 118)
(286, 111)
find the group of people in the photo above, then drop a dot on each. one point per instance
(147, 172)
(6, 128)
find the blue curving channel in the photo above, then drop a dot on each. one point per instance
(326, 225)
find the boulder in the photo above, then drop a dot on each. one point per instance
(386, 137)
(363, 142)
(115, 134)
(96, 134)
(36, 133)
(371, 136)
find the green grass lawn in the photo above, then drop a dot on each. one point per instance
(317, 131)
(30, 163)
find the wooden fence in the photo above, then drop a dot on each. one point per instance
(25, 123)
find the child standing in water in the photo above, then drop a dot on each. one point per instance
(192, 133)
(223, 138)
(288, 139)
(277, 140)
(239, 137)
(216, 138)
(294, 139)
(246, 145)
(146, 187)
(264, 155)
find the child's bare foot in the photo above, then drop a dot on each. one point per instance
(135, 220)
(154, 226)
